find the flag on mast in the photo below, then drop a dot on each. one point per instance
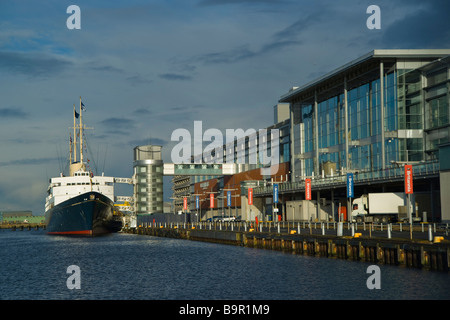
(76, 114)
(82, 106)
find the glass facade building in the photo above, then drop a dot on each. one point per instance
(384, 108)
(369, 117)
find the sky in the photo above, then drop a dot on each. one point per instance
(146, 68)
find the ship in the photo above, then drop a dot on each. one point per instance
(81, 203)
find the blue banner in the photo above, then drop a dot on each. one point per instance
(197, 202)
(350, 193)
(229, 198)
(275, 193)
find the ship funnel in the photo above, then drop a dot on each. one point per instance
(76, 166)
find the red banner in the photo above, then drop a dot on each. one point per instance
(250, 196)
(211, 200)
(185, 203)
(308, 189)
(408, 179)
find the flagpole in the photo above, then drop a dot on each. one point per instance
(74, 136)
(70, 153)
(81, 134)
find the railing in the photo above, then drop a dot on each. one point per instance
(418, 231)
(360, 177)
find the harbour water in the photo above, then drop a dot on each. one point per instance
(33, 265)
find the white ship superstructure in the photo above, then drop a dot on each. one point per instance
(64, 188)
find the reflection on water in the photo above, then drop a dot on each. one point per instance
(123, 266)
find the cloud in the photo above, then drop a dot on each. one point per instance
(137, 80)
(230, 56)
(30, 161)
(32, 64)
(427, 27)
(119, 126)
(174, 76)
(107, 68)
(149, 141)
(141, 112)
(12, 113)
(224, 2)
(243, 52)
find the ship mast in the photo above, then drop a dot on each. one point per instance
(74, 135)
(81, 131)
(77, 131)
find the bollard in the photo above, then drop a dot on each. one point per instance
(245, 226)
(340, 228)
(278, 227)
(298, 228)
(389, 230)
(430, 233)
(323, 229)
(353, 229)
(401, 228)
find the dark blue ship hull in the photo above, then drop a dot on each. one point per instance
(90, 213)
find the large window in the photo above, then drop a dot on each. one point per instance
(437, 112)
(390, 103)
(308, 121)
(358, 109)
(409, 99)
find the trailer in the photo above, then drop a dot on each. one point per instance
(380, 207)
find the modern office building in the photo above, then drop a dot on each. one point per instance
(370, 117)
(216, 195)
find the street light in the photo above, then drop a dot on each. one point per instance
(408, 186)
(197, 205)
(229, 211)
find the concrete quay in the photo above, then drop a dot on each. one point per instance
(22, 226)
(417, 253)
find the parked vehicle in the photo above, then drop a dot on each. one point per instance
(380, 207)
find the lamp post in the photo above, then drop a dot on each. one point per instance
(197, 203)
(229, 197)
(408, 175)
(211, 201)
